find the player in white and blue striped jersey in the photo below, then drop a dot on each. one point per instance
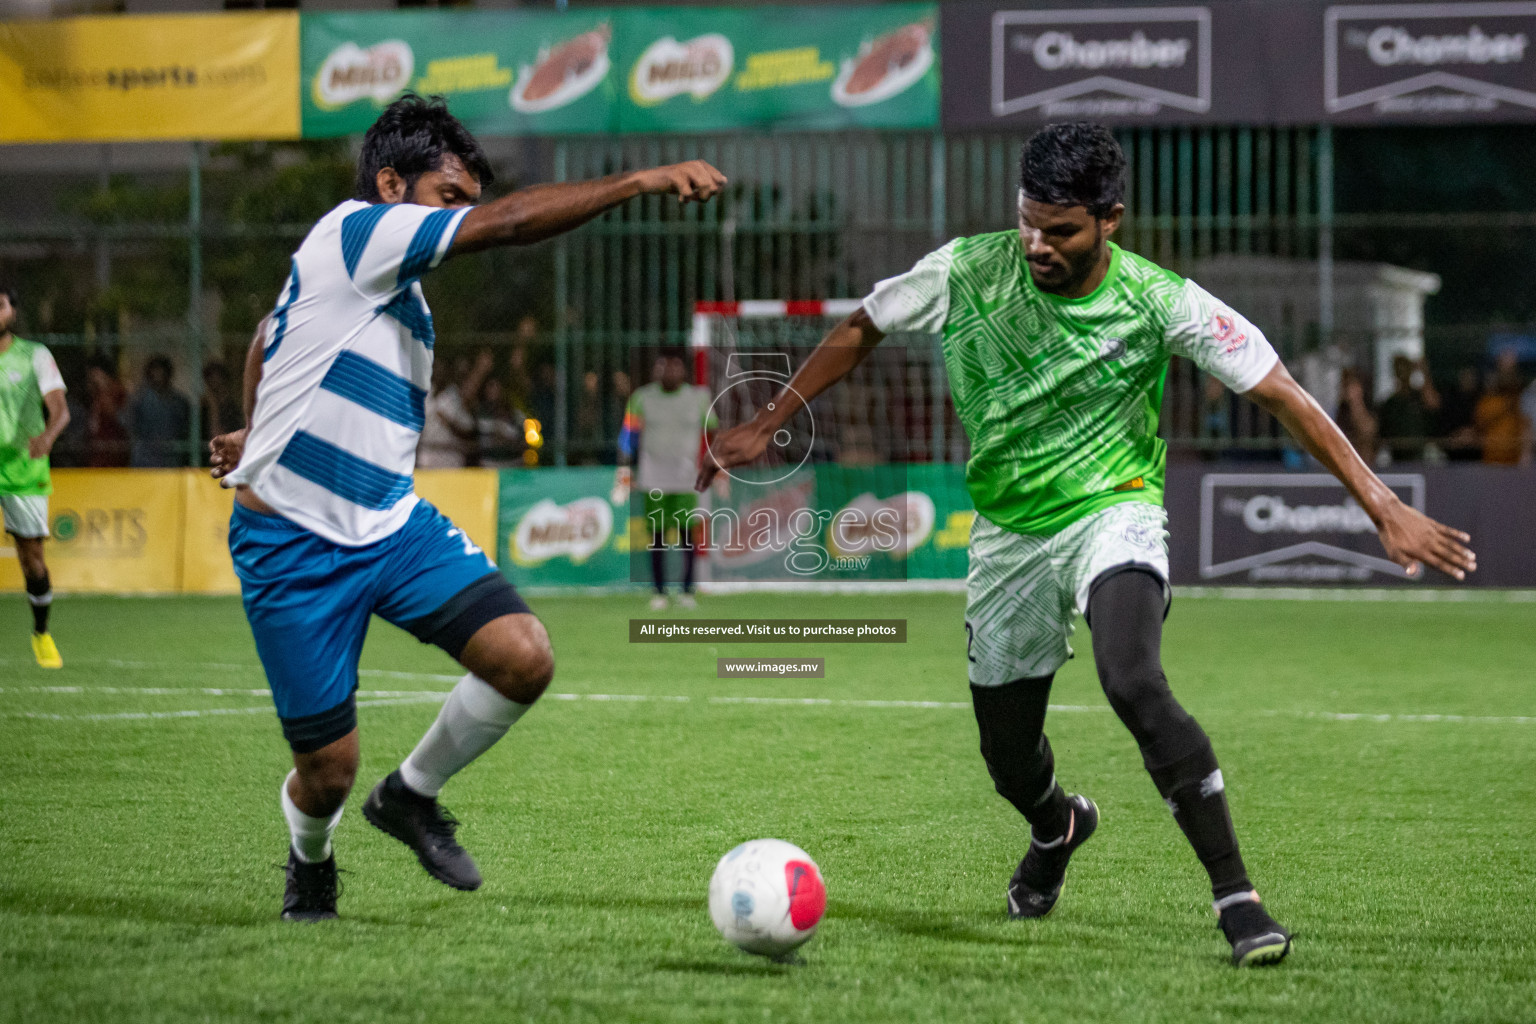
(327, 530)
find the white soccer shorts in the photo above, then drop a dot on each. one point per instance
(1022, 594)
(26, 515)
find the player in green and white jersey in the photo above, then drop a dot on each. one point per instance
(29, 383)
(664, 425)
(1057, 344)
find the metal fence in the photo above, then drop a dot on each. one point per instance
(804, 217)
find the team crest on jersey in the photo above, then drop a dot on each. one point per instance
(1112, 349)
(1224, 330)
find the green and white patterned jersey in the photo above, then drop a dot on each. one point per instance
(27, 373)
(1060, 397)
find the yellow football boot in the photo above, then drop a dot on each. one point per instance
(46, 651)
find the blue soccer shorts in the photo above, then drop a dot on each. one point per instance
(309, 600)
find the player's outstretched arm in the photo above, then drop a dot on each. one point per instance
(225, 450)
(543, 211)
(839, 352)
(1410, 537)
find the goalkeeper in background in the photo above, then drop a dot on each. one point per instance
(29, 384)
(664, 427)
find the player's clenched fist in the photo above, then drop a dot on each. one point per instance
(735, 447)
(695, 180)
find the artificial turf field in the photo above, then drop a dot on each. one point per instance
(138, 855)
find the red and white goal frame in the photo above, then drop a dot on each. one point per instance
(707, 314)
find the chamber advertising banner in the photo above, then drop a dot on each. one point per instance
(215, 76)
(502, 72)
(1255, 526)
(804, 68)
(1257, 62)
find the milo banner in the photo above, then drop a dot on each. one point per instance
(823, 524)
(502, 72)
(719, 69)
(598, 70)
(216, 76)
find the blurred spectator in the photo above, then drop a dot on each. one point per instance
(1407, 416)
(449, 434)
(106, 438)
(541, 400)
(589, 441)
(1459, 435)
(158, 419)
(499, 427)
(1502, 428)
(519, 384)
(1354, 415)
(223, 406)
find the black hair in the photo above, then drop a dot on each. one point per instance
(162, 362)
(1074, 164)
(9, 291)
(412, 136)
(673, 352)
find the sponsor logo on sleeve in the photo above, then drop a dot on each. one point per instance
(1116, 62)
(667, 69)
(1228, 334)
(1447, 59)
(352, 73)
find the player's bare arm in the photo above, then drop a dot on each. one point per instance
(1410, 537)
(542, 211)
(58, 418)
(839, 353)
(225, 450)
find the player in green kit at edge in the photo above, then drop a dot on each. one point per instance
(1057, 344)
(29, 383)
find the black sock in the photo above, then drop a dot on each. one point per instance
(690, 555)
(1126, 616)
(659, 566)
(1018, 755)
(1193, 790)
(40, 595)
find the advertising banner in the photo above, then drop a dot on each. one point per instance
(1231, 527)
(215, 76)
(802, 68)
(205, 564)
(502, 72)
(558, 527)
(114, 530)
(598, 70)
(1238, 62)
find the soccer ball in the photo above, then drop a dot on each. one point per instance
(767, 897)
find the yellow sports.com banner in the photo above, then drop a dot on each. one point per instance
(166, 531)
(220, 76)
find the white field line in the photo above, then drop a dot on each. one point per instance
(387, 698)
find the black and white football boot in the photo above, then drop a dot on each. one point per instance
(421, 823)
(1257, 939)
(1036, 884)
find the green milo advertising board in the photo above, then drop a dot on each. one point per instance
(725, 68)
(822, 524)
(502, 72)
(633, 70)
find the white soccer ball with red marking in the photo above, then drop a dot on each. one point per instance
(767, 896)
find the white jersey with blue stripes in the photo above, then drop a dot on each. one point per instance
(347, 363)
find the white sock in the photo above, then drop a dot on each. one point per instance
(311, 836)
(473, 718)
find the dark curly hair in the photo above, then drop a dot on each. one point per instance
(1074, 164)
(412, 135)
